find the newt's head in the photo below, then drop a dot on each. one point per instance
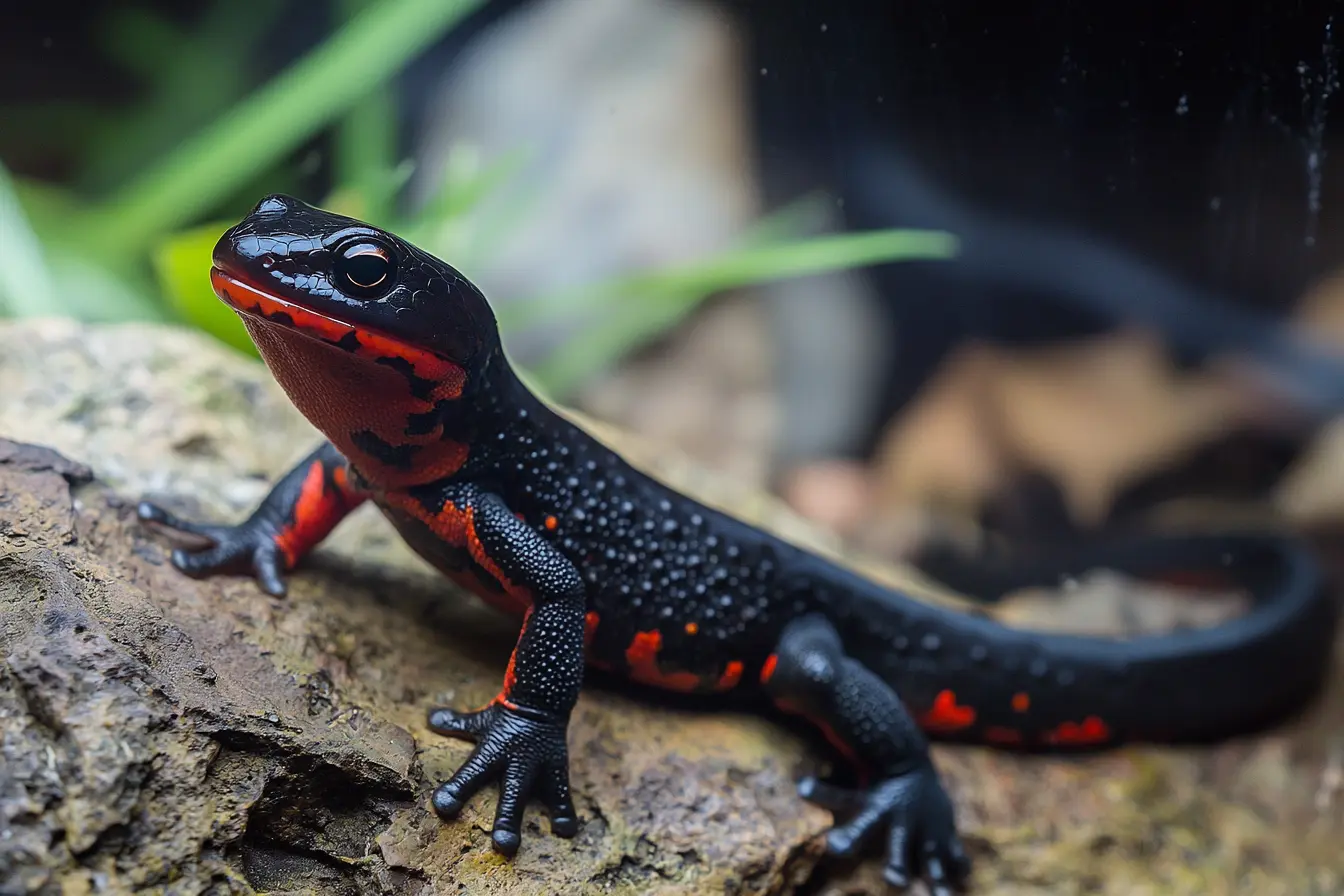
(373, 339)
(351, 285)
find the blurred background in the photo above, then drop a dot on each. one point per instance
(1051, 271)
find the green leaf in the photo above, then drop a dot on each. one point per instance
(183, 267)
(371, 47)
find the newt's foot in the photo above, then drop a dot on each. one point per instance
(522, 749)
(250, 546)
(917, 814)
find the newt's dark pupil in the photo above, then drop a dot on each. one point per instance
(367, 270)
(364, 270)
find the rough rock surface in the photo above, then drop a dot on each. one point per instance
(163, 735)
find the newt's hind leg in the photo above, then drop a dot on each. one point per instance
(811, 675)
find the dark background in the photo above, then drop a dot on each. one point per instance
(1198, 142)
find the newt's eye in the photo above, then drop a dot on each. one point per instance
(364, 268)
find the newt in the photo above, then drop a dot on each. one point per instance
(396, 358)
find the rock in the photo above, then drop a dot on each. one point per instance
(163, 735)
(166, 735)
(628, 126)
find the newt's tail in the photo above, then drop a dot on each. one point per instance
(1032, 689)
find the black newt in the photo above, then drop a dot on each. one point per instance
(396, 358)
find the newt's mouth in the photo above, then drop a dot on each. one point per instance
(256, 303)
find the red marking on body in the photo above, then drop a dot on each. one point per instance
(692, 628)
(441, 459)
(946, 714)
(1021, 701)
(995, 734)
(478, 553)
(768, 668)
(457, 528)
(510, 671)
(590, 623)
(250, 300)
(449, 524)
(317, 511)
(831, 735)
(1091, 731)
(732, 674)
(551, 523)
(642, 658)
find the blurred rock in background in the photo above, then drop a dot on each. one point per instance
(633, 121)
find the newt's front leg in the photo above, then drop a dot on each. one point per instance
(520, 736)
(300, 511)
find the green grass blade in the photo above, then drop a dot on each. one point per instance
(189, 81)
(604, 344)
(736, 268)
(255, 133)
(454, 220)
(638, 308)
(94, 293)
(26, 286)
(365, 148)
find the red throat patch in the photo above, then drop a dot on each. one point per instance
(346, 392)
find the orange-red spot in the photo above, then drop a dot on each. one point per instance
(692, 628)
(590, 623)
(642, 658)
(768, 668)
(1091, 731)
(551, 523)
(316, 512)
(995, 734)
(1021, 701)
(946, 715)
(835, 740)
(732, 674)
